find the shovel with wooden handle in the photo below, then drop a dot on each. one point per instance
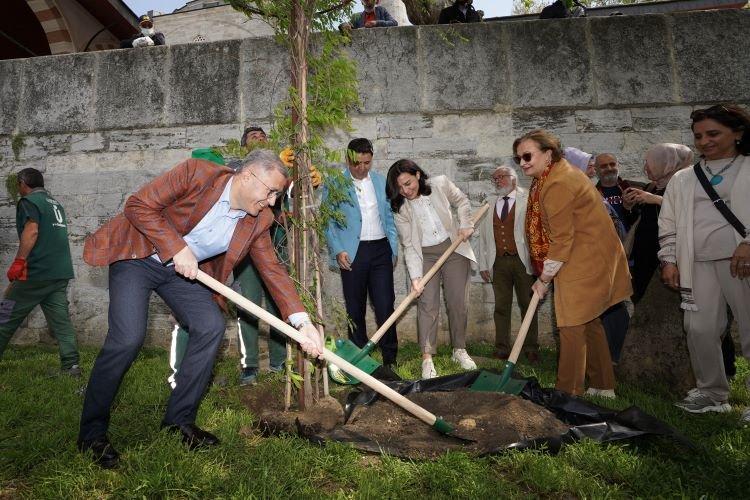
(488, 381)
(346, 349)
(425, 416)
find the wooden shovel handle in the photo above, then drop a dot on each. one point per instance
(371, 382)
(425, 279)
(521, 338)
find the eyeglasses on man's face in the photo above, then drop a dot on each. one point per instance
(272, 193)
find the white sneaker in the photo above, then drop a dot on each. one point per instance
(602, 393)
(745, 418)
(428, 369)
(697, 402)
(462, 357)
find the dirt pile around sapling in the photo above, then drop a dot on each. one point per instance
(266, 403)
(492, 420)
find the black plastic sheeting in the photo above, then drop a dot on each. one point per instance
(587, 419)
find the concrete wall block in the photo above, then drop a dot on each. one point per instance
(147, 139)
(661, 118)
(71, 183)
(10, 90)
(362, 126)
(87, 143)
(131, 89)
(6, 151)
(164, 159)
(556, 121)
(437, 166)
(62, 100)
(404, 126)
(549, 63)
(210, 96)
(264, 78)
(205, 136)
(78, 162)
(399, 148)
(431, 147)
(463, 67)
(493, 132)
(603, 120)
(477, 168)
(41, 146)
(703, 42)
(387, 69)
(621, 45)
(595, 142)
(640, 142)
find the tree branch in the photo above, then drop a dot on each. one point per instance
(247, 10)
(338, 6)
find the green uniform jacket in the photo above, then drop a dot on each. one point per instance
(50, 257)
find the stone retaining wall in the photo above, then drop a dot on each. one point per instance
(452, 98)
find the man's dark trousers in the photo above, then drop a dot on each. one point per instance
(509, 273)
(130, 285)
(372, 273)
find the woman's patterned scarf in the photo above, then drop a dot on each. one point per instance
(535, 232)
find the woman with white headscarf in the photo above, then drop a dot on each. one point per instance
(662, 161)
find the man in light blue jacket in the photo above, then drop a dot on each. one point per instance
(364, 247)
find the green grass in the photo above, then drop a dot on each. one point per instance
(39, 413)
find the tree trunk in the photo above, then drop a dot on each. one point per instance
(425, 11)
(299, 33)
(655, 349)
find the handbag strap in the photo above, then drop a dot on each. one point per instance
(718, 202)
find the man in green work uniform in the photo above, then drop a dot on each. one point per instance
(41, 270)
(251, 285)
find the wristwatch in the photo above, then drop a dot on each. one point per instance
(664, 263)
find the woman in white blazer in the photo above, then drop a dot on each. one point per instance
(426, 227)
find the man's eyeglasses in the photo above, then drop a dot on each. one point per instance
(271, 192)
(526, 157)
(500, 176)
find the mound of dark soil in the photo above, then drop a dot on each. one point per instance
(493, 421)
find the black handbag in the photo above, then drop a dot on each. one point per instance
(718, 202)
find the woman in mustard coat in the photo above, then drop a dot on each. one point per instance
(573, 242)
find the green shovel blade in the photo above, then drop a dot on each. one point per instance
(350, 352)
(492, 382)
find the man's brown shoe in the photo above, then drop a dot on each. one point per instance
(500, 354)
(533, 357)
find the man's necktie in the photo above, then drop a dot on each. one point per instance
(504, 212)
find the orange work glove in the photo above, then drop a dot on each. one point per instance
(287, 157)
(18, 270)
(316, 178)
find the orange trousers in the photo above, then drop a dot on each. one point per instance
(584, 353)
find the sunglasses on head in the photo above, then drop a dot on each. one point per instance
(718, 109)
(525, 157)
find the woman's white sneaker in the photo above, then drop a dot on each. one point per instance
(428, 369)
(462, 357)
(602, 393)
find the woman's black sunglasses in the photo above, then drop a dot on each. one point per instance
(525, 157)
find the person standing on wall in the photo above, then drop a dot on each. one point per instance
(41, 270)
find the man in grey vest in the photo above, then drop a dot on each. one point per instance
(41, 270)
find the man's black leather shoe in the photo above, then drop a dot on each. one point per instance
(102, 452)
(194, 437)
